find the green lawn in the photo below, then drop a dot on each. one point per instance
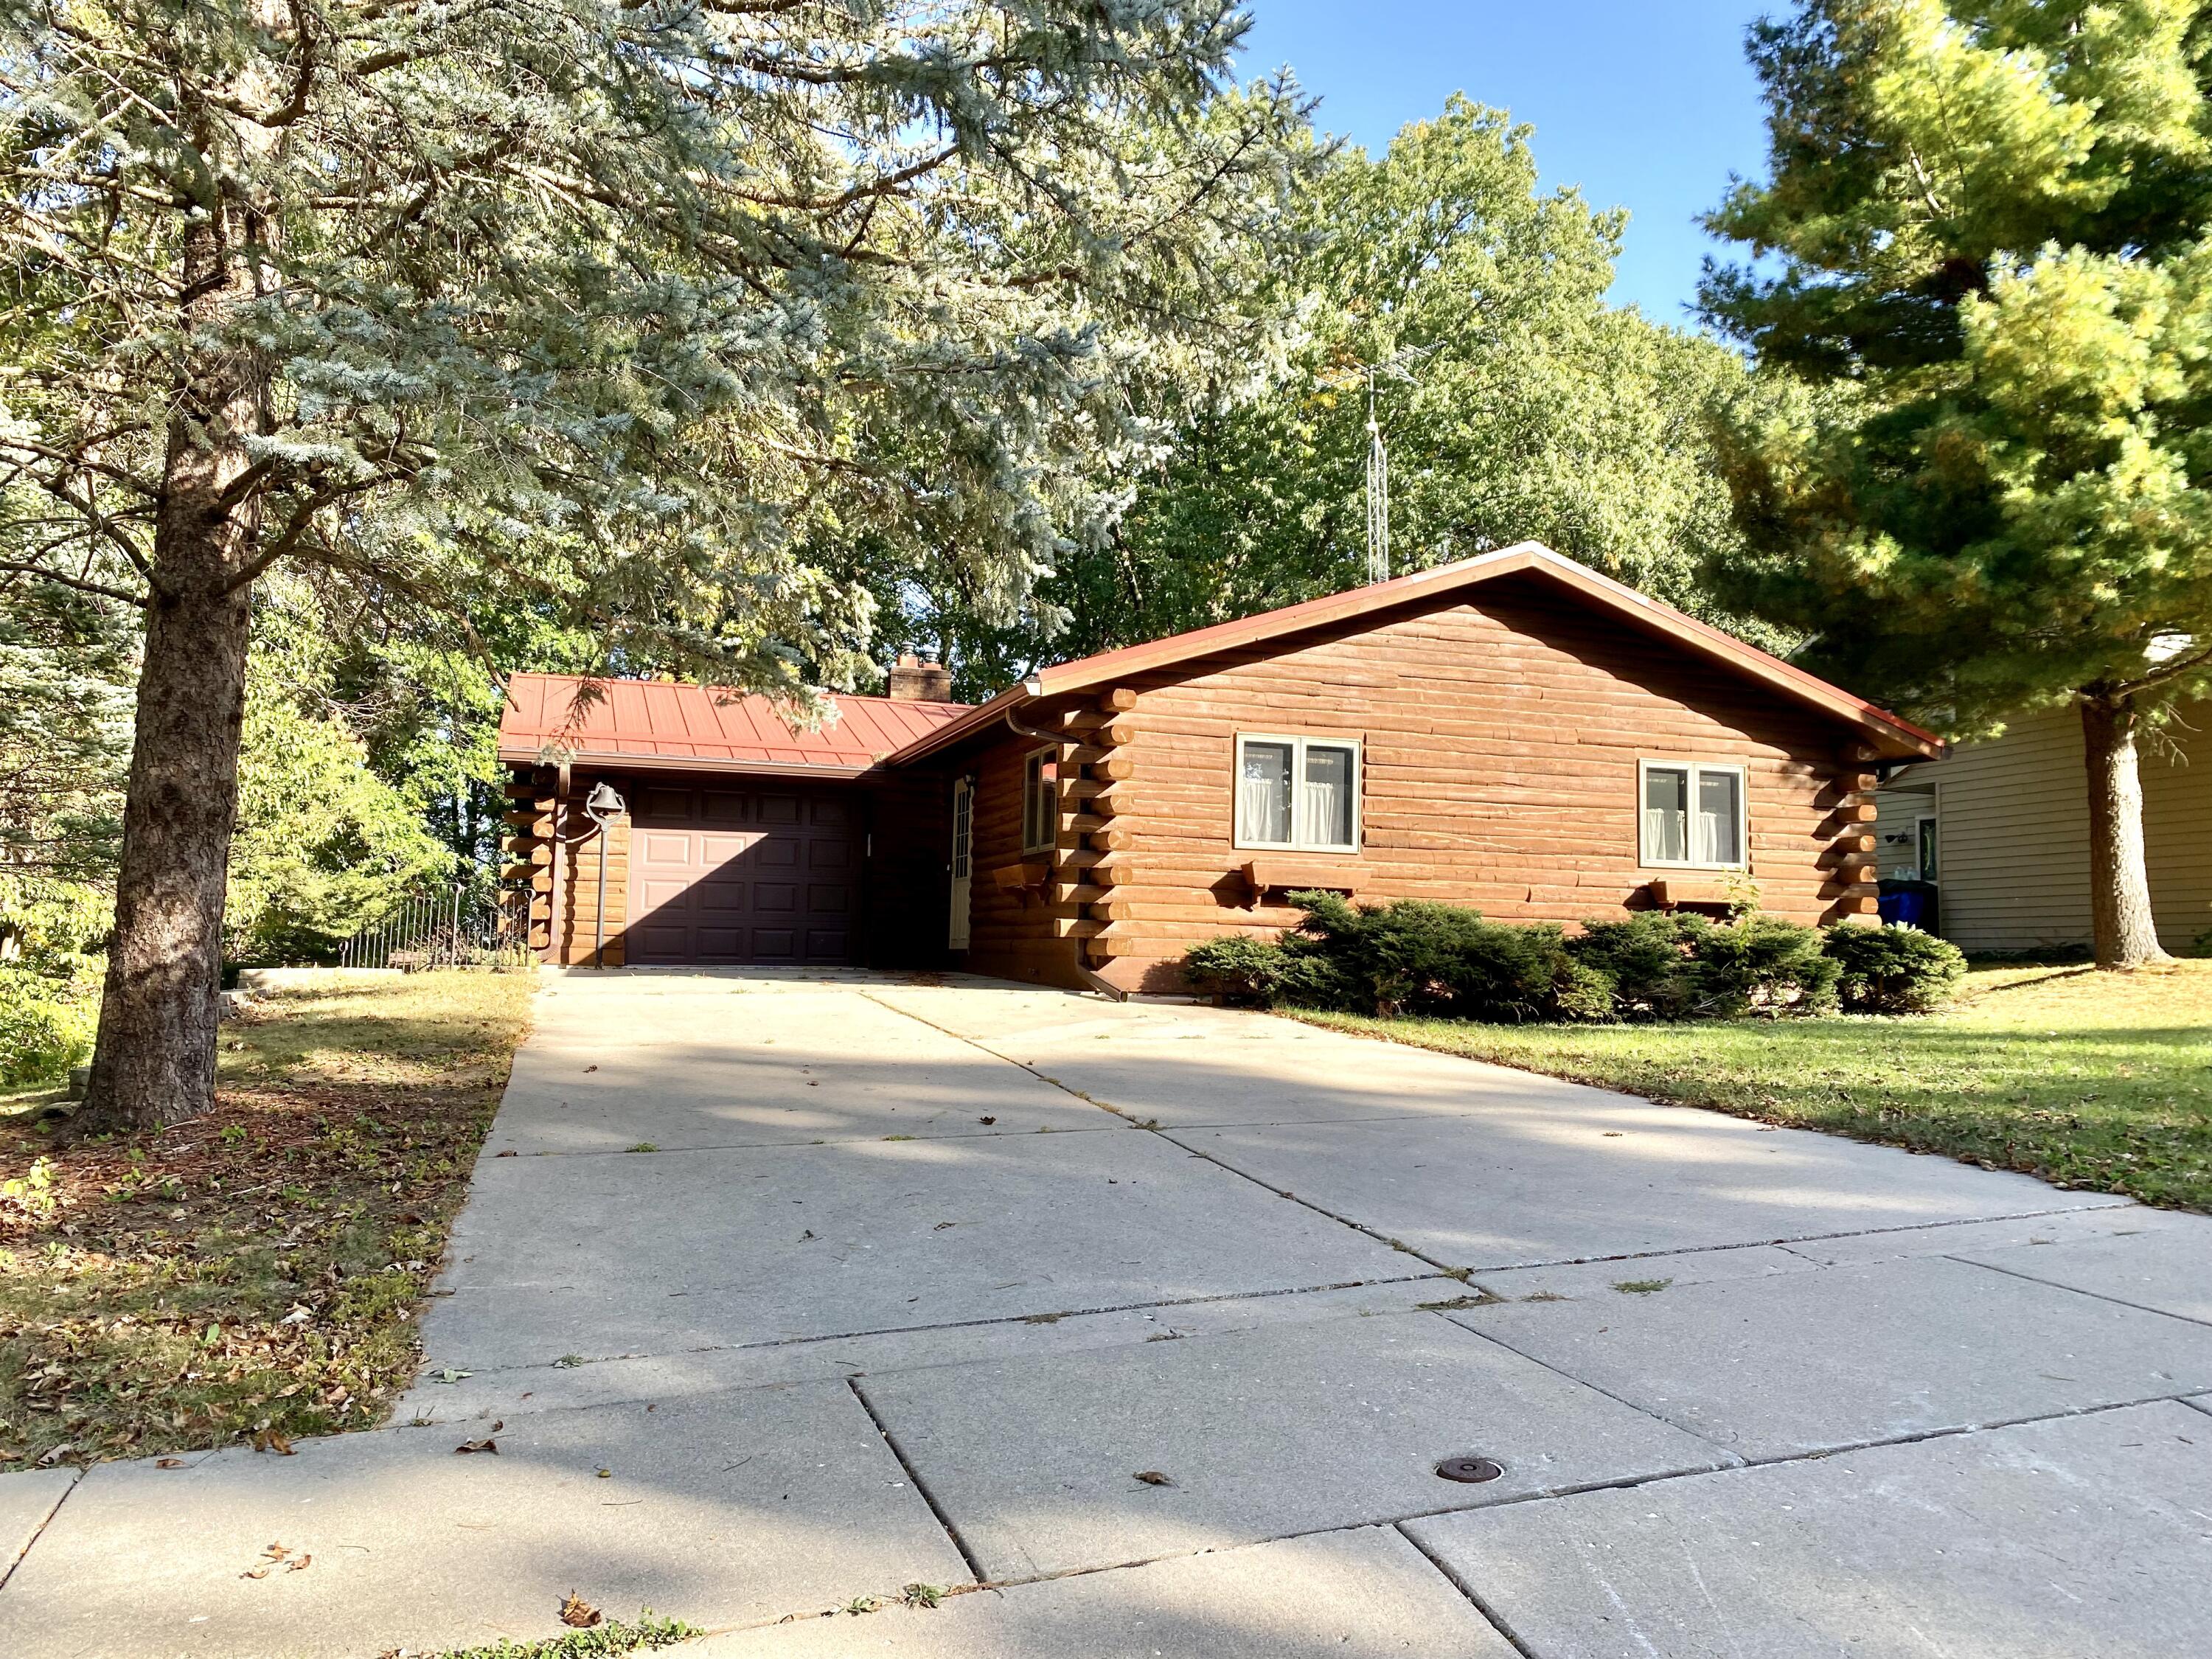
(253, 1274)
(2100, 1081)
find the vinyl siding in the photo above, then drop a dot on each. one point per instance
(2013, 835)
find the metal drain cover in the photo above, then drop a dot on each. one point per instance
(1471, 1471)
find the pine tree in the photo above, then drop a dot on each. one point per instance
(607, 306)
(1976, 476)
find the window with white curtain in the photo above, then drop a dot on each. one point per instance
(1302, 793)
(1693, 815)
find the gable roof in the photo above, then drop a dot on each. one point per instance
(658, 723)
(1893, 737)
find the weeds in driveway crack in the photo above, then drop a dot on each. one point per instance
(604, 1640)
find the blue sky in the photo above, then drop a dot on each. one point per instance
(1645, 104)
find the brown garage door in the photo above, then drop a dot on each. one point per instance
(723, 875)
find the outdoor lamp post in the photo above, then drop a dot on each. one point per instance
(603, 803)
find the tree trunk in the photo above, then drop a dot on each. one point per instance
(2119, 885)
(155, 1061)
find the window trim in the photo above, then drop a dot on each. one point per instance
(1644, 860)
(1050, 787)
(1298, 746)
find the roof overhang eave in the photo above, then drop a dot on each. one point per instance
(616, 761)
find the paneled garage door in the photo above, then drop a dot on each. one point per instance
(721, 876)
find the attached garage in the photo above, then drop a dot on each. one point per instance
(743, 838)
(729, 877)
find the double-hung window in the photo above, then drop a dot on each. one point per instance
(1691, 814)
(1040, 801)
(1298, 793)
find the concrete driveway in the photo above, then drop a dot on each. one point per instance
(1146, 1329)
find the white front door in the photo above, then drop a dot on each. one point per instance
(964, 836)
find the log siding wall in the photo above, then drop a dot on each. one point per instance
(551, 882)
(1500, 741)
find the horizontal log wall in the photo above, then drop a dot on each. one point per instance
(1010, 927)
(1500, 748)
(558, 874)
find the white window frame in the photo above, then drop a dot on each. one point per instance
(1051, 788)
(1298, 747)
(1644, 859)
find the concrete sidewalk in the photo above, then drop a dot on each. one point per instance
(796, 1291)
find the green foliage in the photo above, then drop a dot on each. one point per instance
(1408, 956)
(64, 729)
(1414, 958)
(49, 976)
(1236, 966)
(1515, 404)
(606, 1640)
(620, 314)
(45, 1025)
(324, 845)
(1755, 964)
(1895, 970)
(1643, 955)
(1975, 475)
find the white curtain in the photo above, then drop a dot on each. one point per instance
(1263, 810)
(1717, 828)
(1325, 798)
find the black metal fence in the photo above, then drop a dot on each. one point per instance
(444, 927)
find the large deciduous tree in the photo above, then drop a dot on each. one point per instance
(607, 306)
(1515, 404)
(1985, 305)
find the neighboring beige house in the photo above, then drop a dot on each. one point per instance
(2002, 828)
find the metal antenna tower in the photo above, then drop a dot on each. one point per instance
(1378, 495)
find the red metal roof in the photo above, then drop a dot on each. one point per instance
(659, 722)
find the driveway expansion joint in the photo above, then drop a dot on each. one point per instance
(921, 1486)
(1475, 1597)
(2099, 1296)
(77, 1479)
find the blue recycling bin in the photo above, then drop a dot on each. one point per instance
(1912, 902)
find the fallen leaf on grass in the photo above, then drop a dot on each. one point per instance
(273, 1440)
(53, 1454)
(486, 1444)
(578, 1613)
(1153, 1478)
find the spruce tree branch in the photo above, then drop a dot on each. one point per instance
(76, 461)
(81, 584)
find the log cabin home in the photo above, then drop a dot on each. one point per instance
(1515, 731)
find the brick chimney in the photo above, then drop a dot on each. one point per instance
(914, 681)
